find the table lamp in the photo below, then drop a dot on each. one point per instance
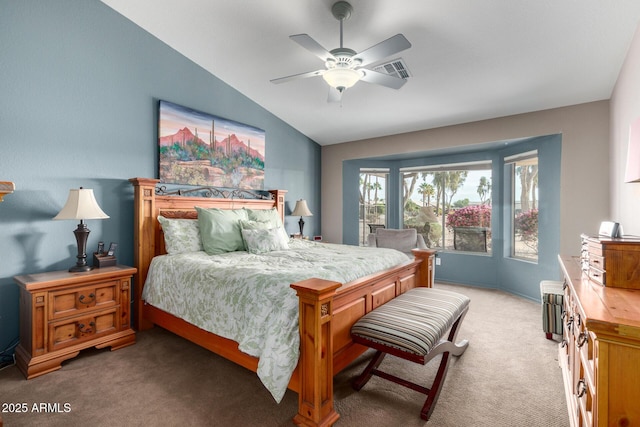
(301, 210)
(81, 205)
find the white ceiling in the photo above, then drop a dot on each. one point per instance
(470, 59)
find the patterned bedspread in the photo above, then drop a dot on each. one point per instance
(247, 298)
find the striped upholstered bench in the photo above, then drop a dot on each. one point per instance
(413, 326)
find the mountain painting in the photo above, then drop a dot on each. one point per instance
(200, 149)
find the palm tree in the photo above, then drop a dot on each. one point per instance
(376, 186)
(455, 180)
(427, 190)
(484, 187)
(528, 181)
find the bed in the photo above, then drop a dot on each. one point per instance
(327, 307)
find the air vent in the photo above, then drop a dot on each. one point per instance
(395, 68)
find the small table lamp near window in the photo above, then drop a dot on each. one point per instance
(81, 205)
(301, 210)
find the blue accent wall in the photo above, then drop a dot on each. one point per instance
(496, 270)
(79, 92)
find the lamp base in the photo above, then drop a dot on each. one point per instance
(80, 268)
(301, 224)
(82, 234)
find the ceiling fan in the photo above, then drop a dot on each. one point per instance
(344, 66)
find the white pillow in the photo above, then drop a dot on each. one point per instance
(180, 235)
(270, 216)
(261, 240)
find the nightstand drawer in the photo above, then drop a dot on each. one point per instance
(73, 301)
(65, 333)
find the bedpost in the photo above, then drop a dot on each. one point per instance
(144, 241)
(315, 395)
(426, 270)
(278, 196)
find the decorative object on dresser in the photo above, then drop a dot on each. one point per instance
(62, 313)
(81, 205)
(612, 262)
(301, 210)
(105, 259)
(600, 351)
(6, 187)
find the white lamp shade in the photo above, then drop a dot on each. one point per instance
(342, 77)
(81, 204)
(301, 209)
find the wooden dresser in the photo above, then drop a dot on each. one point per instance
(600, 351)
(62, 313)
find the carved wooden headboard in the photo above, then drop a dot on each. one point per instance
(148, 238)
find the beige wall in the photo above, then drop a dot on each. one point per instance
(625, 108)
(585, 161)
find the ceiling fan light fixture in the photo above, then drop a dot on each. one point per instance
(342, 78)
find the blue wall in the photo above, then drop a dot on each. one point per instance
(79, 91)
(496, 270)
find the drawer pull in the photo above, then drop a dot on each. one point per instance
(570, 323)
(564, 284)
(581, 387)
(577, 319)
(564, 343)
(88, 330)
(91, 295)
(582, 339)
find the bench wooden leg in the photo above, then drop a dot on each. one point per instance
(446, 348)
(369, 371)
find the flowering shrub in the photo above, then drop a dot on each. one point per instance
(470, 216)
(526, 225)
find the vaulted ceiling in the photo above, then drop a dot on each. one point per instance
(470, 60)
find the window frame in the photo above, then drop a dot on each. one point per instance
(471, 165)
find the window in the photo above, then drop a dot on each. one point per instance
(373, 201)
(523, 169)
(450, 205)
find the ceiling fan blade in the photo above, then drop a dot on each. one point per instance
(334, 95)
(312, 46)
(371, 76)
(298, 76)
(385, 48)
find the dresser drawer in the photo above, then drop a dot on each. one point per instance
(65, 333)
(595, 248)
(597, 276)
(74, 301)
(596, 261)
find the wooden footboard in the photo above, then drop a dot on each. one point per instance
(327, 309)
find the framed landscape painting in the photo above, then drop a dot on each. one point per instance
(197, 148)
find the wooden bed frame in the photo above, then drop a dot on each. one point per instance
(327, 309)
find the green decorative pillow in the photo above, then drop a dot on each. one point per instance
(180, 235)
(261, 240)
(220, 229)
(270, 216)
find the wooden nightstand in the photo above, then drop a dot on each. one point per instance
(62, 313)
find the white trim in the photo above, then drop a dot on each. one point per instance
(521, 156)
(477, 165)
